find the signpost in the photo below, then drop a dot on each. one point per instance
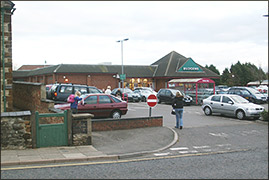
(151, 101)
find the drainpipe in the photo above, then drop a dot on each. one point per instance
(3, 51)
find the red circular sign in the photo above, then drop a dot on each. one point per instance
(152, 100)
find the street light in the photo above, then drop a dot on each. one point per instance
(122, 75)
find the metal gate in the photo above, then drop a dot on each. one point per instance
(48, 135)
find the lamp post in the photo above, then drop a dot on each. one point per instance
(122, 72)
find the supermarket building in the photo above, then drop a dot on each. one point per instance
(157, 75)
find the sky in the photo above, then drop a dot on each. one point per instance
(220, 33)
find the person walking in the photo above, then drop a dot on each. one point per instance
(177, 105)
(74, 105)
(108, 90)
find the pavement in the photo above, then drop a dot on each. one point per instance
(106, 145)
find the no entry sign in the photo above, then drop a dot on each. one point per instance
(152, 100)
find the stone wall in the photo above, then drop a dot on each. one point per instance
(6, 62)
(81, 129)
(126, 123)
(16, 130)
(31, 96)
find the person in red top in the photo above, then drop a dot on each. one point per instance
(74, 105)
(177, 104)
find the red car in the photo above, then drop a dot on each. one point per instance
(100, 105)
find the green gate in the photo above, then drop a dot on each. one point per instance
(48, 135)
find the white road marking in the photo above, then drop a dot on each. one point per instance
(162, 154)
(183, 152)
(200, 147)
(179, 148)
(219, 134)
(221, 145)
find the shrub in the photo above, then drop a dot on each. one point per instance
(264, 115)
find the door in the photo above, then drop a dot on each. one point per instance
(48, 135)
(105, 106)
(227, 106)
(90, 106)
(215, 104)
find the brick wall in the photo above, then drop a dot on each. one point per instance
(98, 80)
(6, 66)
(126, 123)
(31, 96)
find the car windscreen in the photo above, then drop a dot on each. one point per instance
(174, 91)
(146, 91)
(128, 91)
(239, 99)
(93, 90)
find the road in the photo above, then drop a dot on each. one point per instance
(212, 147)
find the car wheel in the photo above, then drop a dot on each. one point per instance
(240, 114)
(116, 114)
(159, 101)
(207, 111)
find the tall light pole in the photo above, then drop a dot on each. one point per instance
(122, 76)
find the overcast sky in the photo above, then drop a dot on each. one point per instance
(85, 32)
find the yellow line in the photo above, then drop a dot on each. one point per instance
(121, 161)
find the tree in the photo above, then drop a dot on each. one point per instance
(214, 69)
(241, 74)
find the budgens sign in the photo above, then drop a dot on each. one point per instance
(190, 66)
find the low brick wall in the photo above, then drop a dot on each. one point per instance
(31, 96)
(126, 123)
(16, 130)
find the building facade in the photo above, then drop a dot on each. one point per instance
(157, 75)
(7, 9)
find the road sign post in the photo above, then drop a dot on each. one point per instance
(151, 101)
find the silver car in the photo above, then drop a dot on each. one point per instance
(231, 105)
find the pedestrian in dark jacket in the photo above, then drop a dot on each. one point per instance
(177, 105)
(74, 105)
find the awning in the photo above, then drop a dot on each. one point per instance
(194, 80)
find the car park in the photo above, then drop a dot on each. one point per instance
(100, 105)
(248, 93)
(231, 105)
(128, 94)
(60, 92)
(167, 96)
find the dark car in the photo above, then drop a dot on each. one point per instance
(60, 92)
(100, 105)
(168, 95)
(48, 87)
(252, 95)
(127, 93)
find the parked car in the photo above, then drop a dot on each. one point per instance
(147, 88)
(167, 96)
(233, 105)
(60, 92)
(262, 89)
(127, 93)
(221, 89)
(48, 86)
(248, 93)
(100, 105)
(144, 93)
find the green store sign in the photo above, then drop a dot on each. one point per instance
(190, 66)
